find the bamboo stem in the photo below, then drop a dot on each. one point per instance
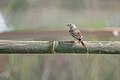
(41, 47)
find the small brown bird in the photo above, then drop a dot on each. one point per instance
(74, 31)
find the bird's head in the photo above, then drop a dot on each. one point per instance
(70, 25)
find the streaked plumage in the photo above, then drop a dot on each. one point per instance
(74, 31)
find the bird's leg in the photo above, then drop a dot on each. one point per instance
(75, 42)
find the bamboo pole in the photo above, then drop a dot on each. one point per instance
(41, 47)
(9, 46)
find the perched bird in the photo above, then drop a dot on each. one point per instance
(74, 31)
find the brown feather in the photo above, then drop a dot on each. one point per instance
(75, 33)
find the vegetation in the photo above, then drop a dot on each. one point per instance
(53, 15)
(59, 67)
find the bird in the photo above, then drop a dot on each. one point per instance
(75, 32)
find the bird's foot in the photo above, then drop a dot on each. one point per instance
(75, 42)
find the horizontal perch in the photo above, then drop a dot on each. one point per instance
(41, 47)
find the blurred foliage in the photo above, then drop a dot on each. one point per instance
(63, 67)
(70, 5)
(53, 15)
(15, 5)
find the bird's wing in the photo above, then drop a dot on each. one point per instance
(75, 33)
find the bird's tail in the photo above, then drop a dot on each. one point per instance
(83, 44)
